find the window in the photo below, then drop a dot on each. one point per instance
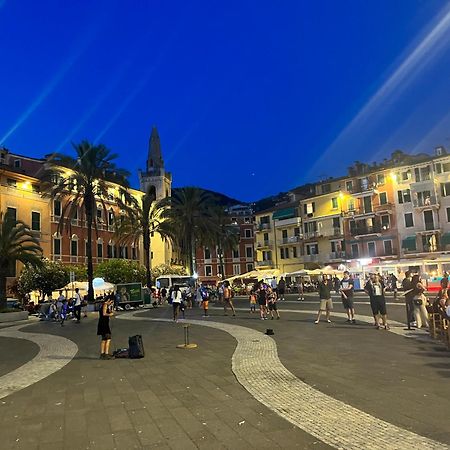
(309, 209)
(405, 176)
(236, 269)
(99, 214)
(133, 253)
(17, 163)
(448, 214)
(385, 222)
(336, 222)
(267, 255)
(247, 220)
(235, 253)
(424, 198)
(99, 249)
(367, 203)
(336, 246)
(57, 208)
(334, 203)
(110, 217)
(56, 246)
(110, 251)
(351, 204)
(326, 188)
(249, 267)
(86, 248)
(208, 271)
(428, 220)
(266, 237)
(248, 233)
(11, 213)
(207, 252)
(383, 198)
(409, 221)
(355, 250)
(74, 247)
(387, 247)
(11, 182)
(445, 189)
(312, 249)
(35, 221)
(297, 231)
(371, 248)
(282, 253)
(349, 186)
(249, 252)
(380, 178)
(294, 252)
(404, 196)
(422, 174)
(310, 227)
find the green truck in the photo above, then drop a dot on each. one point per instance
(130, 295)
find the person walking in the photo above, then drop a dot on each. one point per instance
(326, 303)
(252, 299)
(408, 292)
(346, 289)
(176, 298)
(419, 302)
(281, 288)
(163, 296)
(300, 290)
(103, 328)
(262, 301)
(204, 295)
(393, 285)
(63, 312)
(228, 298)
(77, 305)
(272, 298)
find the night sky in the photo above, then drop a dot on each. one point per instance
(250, 97)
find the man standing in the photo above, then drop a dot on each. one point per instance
(273, 283)
(77, 305)
(281, 288)
(408, 292)
(347, 297)
(228, 298)
(393, 284)
(326, 304)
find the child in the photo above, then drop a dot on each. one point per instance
(252, 299)
(205, 300)
(272, 303)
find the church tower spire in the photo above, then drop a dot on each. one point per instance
(154, 162)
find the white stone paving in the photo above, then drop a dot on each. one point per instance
(258, 369)
(54, 353)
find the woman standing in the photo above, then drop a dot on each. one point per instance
(103, 328)
(419, 302)
(176, 297)
(378, 302)
(262, 301)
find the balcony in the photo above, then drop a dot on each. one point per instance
(289, 240)
(310, 258)
(362, 188)
(359, 212)
(424, 203)
(264, 244)
(332, 232)
(264, 263)
(386, 208)
(263, 227)
(311, 235)
(366, 231)
(286, 222)
(333, 256)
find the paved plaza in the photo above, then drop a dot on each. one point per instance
(308, 386)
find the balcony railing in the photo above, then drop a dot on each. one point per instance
(311, 234)
(264, 244)
(336, 231)
(337, 255)
(263, 226)
(425, 202)
(367, 230)
(358, 212)
(266, 262)
(310, 258)
(290, 240)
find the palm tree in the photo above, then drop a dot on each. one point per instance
(189, 220)
(17, 243)
(147, 218)
(89, 179)
(224, 235)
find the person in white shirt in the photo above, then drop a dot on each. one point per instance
(273, 283)
(77, 305)
(176, 297)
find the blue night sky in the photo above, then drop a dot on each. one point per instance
(250, 97)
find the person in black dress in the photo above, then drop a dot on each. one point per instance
(103, 328)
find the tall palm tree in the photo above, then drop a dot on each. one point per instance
(17, 243)
(189, 220)
(224, 235)
(146, 218)
(91, 175)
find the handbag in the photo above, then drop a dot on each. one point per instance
(418, 301)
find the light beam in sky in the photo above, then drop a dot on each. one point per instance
(423, 55)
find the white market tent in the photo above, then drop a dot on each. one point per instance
(99, 284)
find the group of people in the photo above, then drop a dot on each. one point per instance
(266, 297)
(60, 309)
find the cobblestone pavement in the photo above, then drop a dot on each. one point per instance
(257, 367)
(54, 353)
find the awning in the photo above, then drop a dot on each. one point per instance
(445, 239)
(287, 213)
(409, 243)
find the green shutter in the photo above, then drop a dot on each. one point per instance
(287, 213)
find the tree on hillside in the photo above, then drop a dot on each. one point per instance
(17, 243)
(91, 179)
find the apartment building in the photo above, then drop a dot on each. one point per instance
(214, 266)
